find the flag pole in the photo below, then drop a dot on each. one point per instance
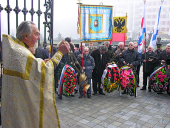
(50, 49)
(145, 41)
(125, 33)
(145, 50)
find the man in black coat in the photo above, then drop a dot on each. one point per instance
(131, 57)
(148, 66)
(101, 59)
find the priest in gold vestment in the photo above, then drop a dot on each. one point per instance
(28, 98)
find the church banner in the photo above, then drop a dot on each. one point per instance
(95, 23)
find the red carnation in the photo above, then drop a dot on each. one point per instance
(68, 75)
(68, 83)
(65, 89)
(74, 79)
(74, 83)
(69, 79)
(108, 70)
(64, 80)
(72, 88)
(109, 75)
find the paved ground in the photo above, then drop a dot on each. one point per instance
(147, 110)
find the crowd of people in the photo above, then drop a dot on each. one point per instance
(28, 80)
(95, 61)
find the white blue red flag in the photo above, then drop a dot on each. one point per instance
(155, 30)
(142, 31)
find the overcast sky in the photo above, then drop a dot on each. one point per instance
(65, 15)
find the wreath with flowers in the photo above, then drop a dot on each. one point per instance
(111, 79)
(127, 80)
(69, 81)
(158, 80)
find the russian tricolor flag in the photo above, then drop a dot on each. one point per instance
(142, 31)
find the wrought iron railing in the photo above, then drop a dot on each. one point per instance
(48, 22)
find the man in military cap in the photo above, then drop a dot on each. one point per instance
(159, 47)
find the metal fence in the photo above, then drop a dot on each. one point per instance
(48, 19)
(48, 16)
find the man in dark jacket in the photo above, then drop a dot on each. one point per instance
(101, 59)
(131, 57)
(148, 66)
(66, 59)
(88, 67)
(78, 52)
(165, 54)
(118, 52)
(110, 51)
(159, 50)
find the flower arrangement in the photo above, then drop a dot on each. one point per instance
(111, 80)
(69, 81)
(127, 78)
(158, 80)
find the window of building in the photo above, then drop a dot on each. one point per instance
(148, 16)
(164, 9)
(148, 22)
(153, 22)
(163, 22)
(154, 9)
(164, 15)
(163, 29)
(168, 22)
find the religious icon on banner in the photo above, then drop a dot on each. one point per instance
(119, 24)
(95, 23)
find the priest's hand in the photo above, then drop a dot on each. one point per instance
(45, 60)
(64, 47)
